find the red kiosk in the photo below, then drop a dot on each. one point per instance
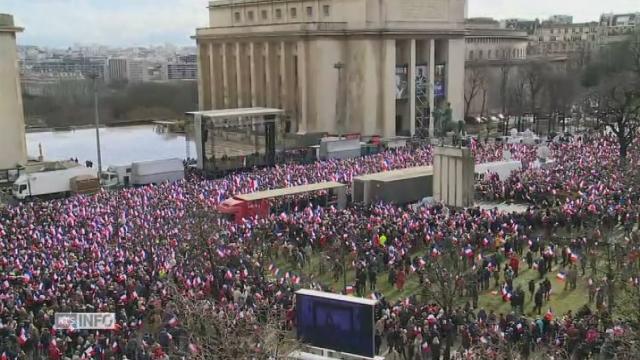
(258, 203)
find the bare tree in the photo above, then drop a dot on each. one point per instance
(619, 110)
(212, 331)
(535, 72)
(614, 82)
(634, 50)
(629, 297)
(561, 90)
(475, 83)
(201, 232)
(518, 91)
(504, 56)
(440, 275)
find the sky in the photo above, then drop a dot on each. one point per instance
(61, 23)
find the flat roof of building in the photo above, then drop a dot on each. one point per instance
(236, 113)
(509, 208)
(268, 194)
(332, 296)
(398, 174)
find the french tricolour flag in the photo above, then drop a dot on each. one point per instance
(228, 275)
(573, 257)
(561, 276)
(22, 339)
(506, 296)
(173, 322)
(468, 251)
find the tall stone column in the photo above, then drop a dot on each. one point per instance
(213, 83)
(455, 78)
(225, 76)
(12, 137)
(302, 86)
(239, 72)
(253, 74)
(232, 72)
(203, 77)
(270, 73)
(432, 75)
(283, 74)
(258, 52)
(412, 86)
(388, 87)
(289, 84)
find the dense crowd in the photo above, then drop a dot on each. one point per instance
(129, 251)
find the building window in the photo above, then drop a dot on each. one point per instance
(294, 13)
(278, 13)
(489, 54)
(326, 10)
(551, 31)
(471, 55)
(264, 14)
(250, 15)
(237, 16)
(479, 54)
(309, 11)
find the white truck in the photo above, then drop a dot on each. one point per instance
(48, 182)
(143, 173)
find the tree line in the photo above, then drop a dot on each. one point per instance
(603, 88)
(70, 102)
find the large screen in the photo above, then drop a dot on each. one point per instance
(439, 81)
(336, 324)
(402, 82)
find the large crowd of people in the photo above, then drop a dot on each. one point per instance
(133, 251)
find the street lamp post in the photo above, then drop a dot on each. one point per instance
(94, 78)
(340, 99)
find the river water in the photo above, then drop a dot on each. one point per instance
(119, 145)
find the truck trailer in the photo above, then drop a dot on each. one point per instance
(401, 186)
(48, 183)
(143, 173)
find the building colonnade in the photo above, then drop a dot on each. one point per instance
(299, 76)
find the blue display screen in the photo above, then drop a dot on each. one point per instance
(337, 325)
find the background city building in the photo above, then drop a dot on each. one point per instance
(491, 53)
(561, 19)
(372, 67)
(117, 69)
(42, 67)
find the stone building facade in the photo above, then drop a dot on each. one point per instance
(13, 149)
(350, 66)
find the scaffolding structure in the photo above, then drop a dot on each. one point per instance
(423, 112)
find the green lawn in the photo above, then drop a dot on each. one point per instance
(560, 302)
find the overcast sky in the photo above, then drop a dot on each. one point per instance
(59, 23)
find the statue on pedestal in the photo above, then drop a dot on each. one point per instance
(437, 120)
(442, 120)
